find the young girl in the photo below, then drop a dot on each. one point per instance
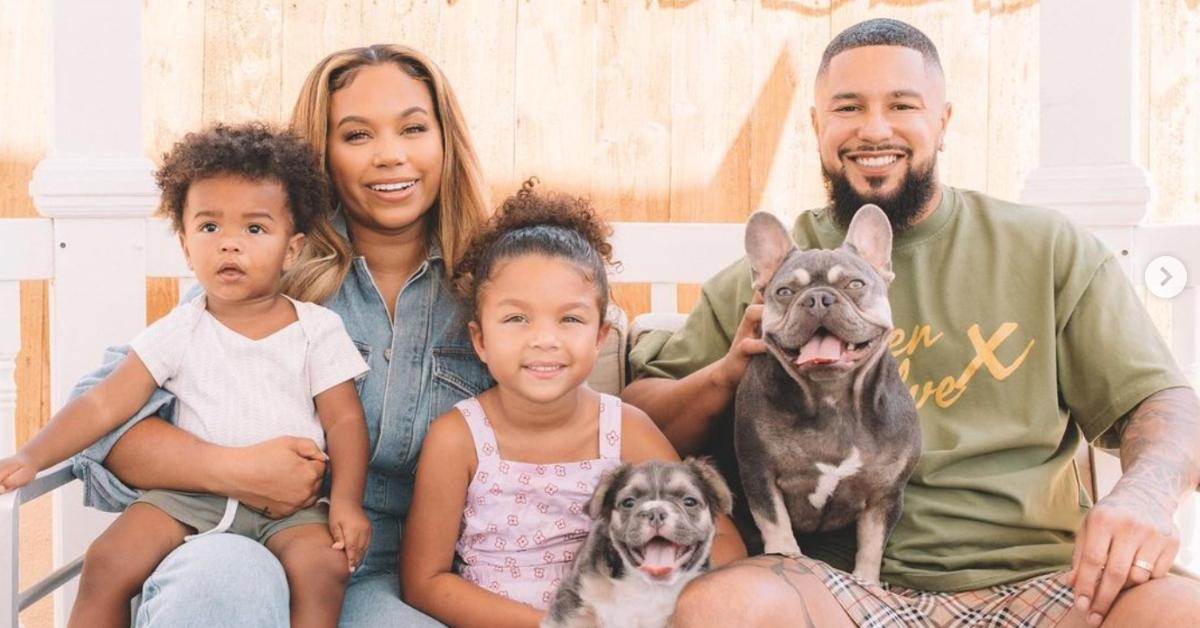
(500, 503)
(246, 364)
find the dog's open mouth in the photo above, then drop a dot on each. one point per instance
(825, 348)
(660, 558)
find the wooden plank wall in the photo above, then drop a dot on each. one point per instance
(660, 110)
(24, 121)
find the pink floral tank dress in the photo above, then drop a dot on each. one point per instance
(523, 522)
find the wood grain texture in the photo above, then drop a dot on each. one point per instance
(243, 60)
(312, 30)
(172, 73)
(1174, 109)
(415, 23)
(25, 68)
(711, 100)
(785, 169)
(634, 298)
(24, 101)
(1012, 123)
(555, 95)
(482, 70)
(631, 157)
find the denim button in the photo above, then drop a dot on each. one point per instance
(387, 354)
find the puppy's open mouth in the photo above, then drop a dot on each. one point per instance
(660, 558)
(825, 348)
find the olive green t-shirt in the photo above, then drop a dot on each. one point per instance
(1015, 332)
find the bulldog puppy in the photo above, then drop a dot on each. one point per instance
(653, 528)
(825, 431)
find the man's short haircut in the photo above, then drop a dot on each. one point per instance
(881, 32)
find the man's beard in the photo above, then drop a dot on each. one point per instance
(902, 207)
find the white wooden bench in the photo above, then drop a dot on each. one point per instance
(660, 254)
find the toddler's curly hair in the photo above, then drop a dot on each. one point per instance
(530, 222)
(254, 151)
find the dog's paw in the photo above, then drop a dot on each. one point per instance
(790, 550)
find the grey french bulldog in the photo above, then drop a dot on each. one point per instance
(825, 431)
(653, 530)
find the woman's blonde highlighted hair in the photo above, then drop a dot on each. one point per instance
(460, 208)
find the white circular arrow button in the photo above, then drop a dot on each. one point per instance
(1165, 277)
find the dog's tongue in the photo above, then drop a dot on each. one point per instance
(658, 558)
(821, 349)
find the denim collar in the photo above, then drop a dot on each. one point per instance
(338, 220)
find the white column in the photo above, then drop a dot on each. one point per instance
(1089, 114)
(98, 188)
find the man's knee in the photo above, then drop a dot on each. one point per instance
(761, 591)
(223, 579)
(1169, 602)
(695, 606)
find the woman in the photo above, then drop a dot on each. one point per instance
(408, 196)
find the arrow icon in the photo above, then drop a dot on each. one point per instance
(1165, 277)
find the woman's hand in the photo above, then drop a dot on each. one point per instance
(276, 477)
(351, 530)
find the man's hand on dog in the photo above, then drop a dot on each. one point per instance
(747, 342)
(1118, 539)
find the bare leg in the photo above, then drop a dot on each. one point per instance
(1168, 602)
(316, 573)
(119, 561)
(763, 591)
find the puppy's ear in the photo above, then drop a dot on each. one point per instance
(716, 491)
(767, 244)
(602, 497)
(870, 235)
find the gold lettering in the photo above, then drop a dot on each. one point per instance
(985, 354)
(948, 392)
(949, 389)
(921, 335)
(904, 368)
(927, 390)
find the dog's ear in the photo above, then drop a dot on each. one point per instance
(870, 236)
(602, 497)
(767, 244)
(716, 491)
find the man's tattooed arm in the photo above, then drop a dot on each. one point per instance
(1160, 450)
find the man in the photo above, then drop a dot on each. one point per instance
(1018, 336)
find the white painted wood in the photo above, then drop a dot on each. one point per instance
(10, 512)
(1181, 241)
(98, 299)
(10, 344)
(164, 256)
(97, 95)
(98, 187)
(1086, 166)
(26, 249)
(664, 297)
(661, 252)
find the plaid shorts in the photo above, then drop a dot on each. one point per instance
(1039, 601)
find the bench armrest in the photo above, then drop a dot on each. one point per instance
(12, 599)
